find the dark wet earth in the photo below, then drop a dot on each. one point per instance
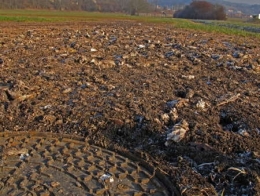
(186, 102)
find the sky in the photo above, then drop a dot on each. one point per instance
(245, 1)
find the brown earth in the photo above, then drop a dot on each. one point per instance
(185, 101)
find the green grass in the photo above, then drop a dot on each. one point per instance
(74, 16)
(22, 19)
(57, 16)
(215, 27)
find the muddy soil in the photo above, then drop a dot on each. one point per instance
(187, 102)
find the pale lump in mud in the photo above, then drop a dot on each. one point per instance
(178, 132)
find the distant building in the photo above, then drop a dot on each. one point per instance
(235, 14)
(255, 16)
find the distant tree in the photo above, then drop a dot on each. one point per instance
(220, 13)
(137, 6)
(202, 10)
(56, 4)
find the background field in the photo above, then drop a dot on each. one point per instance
(231, 27)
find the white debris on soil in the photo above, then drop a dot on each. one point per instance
(174, 114)
(165, 118)
(170, 116)
(93, 50)
(46, 107)
(141, 46)
(24, 156)
(189, 77)
(107, 176)
(201, 104)
(178, 132)
(67, 90)
(243, 132)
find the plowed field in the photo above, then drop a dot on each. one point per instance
(186, 102)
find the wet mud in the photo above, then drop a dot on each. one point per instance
(185, 102)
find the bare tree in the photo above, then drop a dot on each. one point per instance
(137, 6)
(202, 10)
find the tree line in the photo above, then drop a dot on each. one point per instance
(128, 6)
